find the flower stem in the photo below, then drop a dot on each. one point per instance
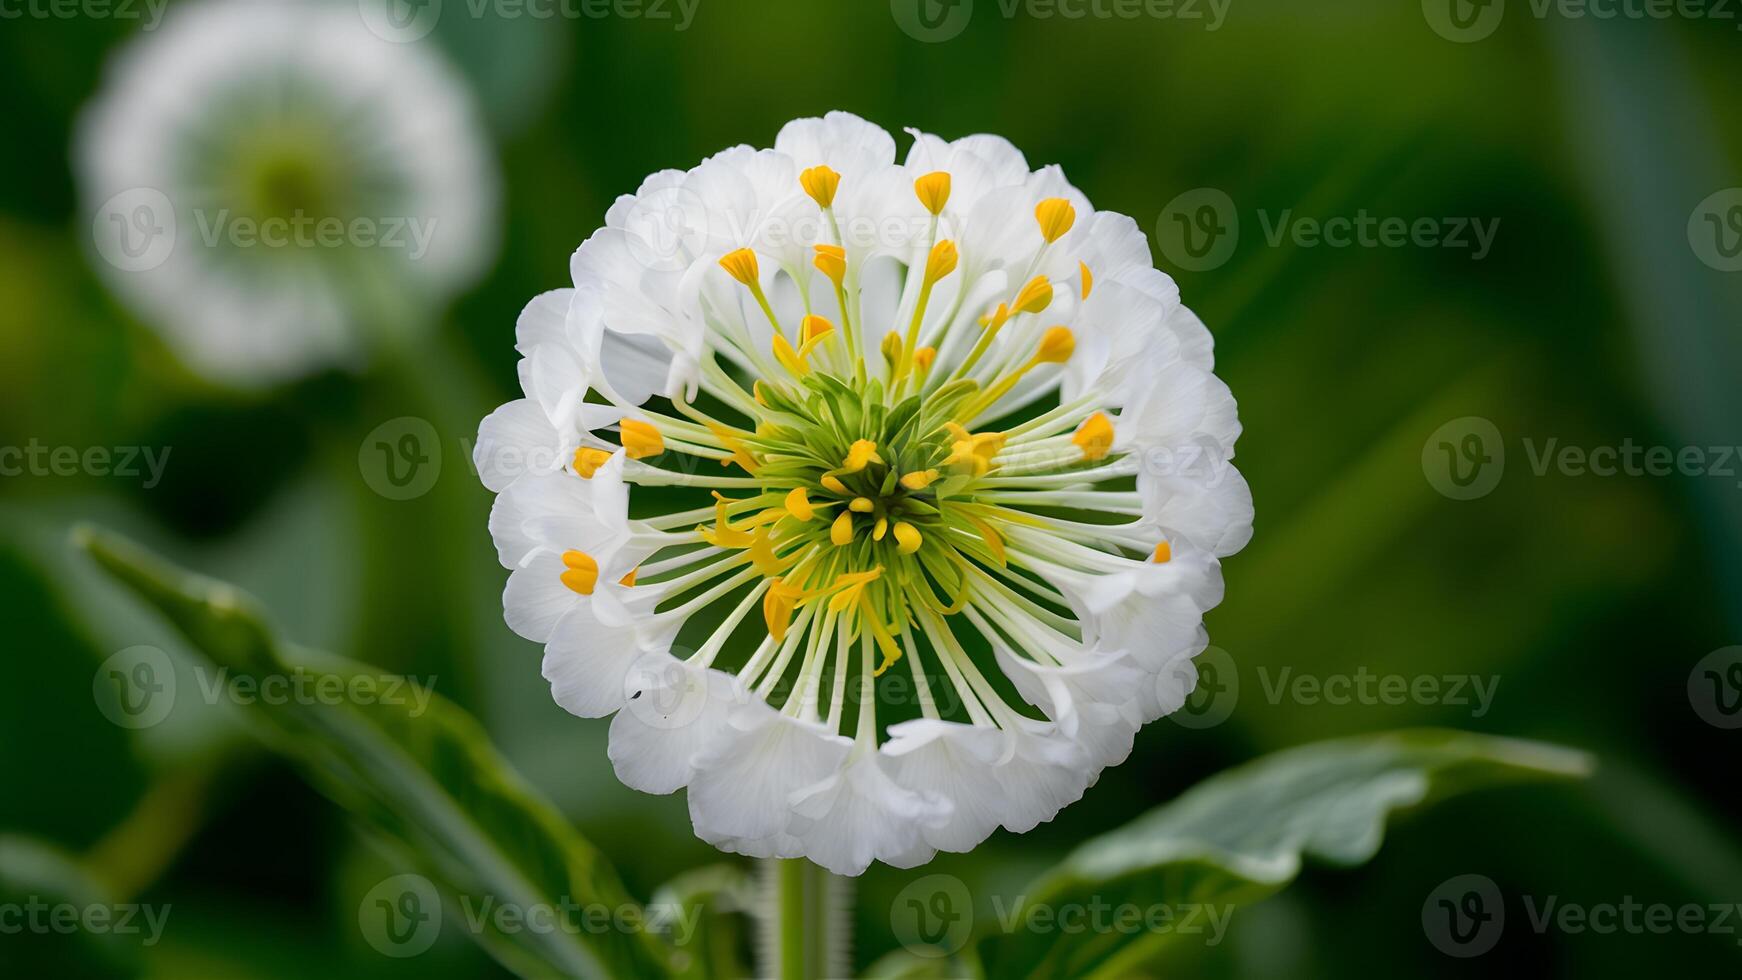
(808, 918)
(794, 963)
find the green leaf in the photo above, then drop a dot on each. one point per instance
(1241, 836)
(420, 776)
(53, 896)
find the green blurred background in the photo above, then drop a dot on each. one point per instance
(1595, 318)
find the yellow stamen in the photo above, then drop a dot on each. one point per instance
(777, 607)
(762, 550)
(834, 485)
(891, 348)
(629, 579)
(941, 262)
(862, 505)
(740, 453)
(1163, 553)
(1034, 297)
(588, 461)
(841, 532)
(851, 586)
(581, 572)
(1056, 216)
(798, 504)
(923, 358)
(1088, 278)
(860, 454)
(723, 534)
(1056, 346)
(907, 538)
(789, 358)
(813, 328)
(918, 480)
(994, 540)
(880, 528)
(741, 265)
(640, 439)
(831, 261)
(820, 183)
(933, 190)
(1095, 436)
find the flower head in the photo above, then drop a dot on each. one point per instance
(957, 518)
(272, 183)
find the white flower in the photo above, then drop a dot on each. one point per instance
(938, 421)
(308, 185)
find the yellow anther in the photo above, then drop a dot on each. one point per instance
(933, 190)
(1034, 297)
(923, 358)
(1088, 278)
(628, 581)
(820, 183)
(813, 329)
(834, 485)
(996, 318)
(723, 534)
(1056, 346)
(891, 347)
(798, 504)
(1056, 216)
(941, 262)
(762, 551)
(851, 586)
(740, 452)
(741, 265)
(879, 529)
(919, 479)
(789, 358)
(640, 439)
(588, 460)
(841, 532)
(860, 454)
(581, 572)
(777, 606)
(831, 261)
(1163, 553)
(994, 541)
(973, 452)
(756, 392)
(862, 505)
(1095, 436)
(907, 538)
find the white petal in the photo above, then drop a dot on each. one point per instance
(956, 763)
(757, 762)
(859, 814)
(586, 662)
(514, 440)
(674, 711)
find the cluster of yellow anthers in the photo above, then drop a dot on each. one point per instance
(897, 519)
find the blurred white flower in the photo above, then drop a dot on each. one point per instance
(971, 479)
(271, 184)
